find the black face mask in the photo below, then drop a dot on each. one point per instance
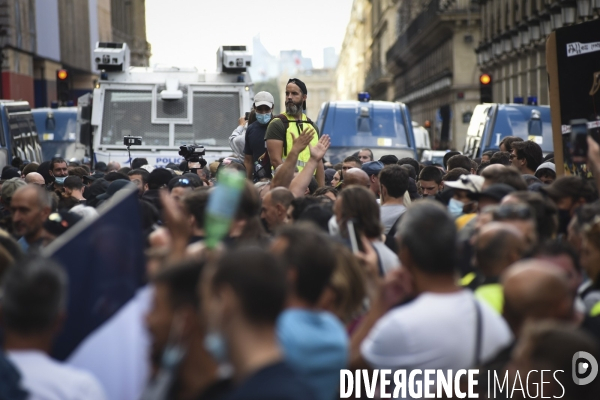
(564, 218)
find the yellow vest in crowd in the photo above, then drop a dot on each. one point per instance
(295, 128)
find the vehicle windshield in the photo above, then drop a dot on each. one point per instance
(215, 115)
(373, 124)
(515, 120)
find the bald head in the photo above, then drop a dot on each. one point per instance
(356, 176)
(537, 290)
(35, 178)
(498, 246)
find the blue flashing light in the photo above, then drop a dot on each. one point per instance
(54, 104)
(240, 79)
(364, 96)
(70, 103)
(103, 76)
(532, 101)
(518, 100)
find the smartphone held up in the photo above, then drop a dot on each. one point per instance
(580, 130)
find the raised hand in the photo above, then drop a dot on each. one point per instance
(318, 151)
(302, 140)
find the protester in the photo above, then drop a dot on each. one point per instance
(526, 156)
(74, 188)
(33, 309)
(394, 184)
(500, 174)
(569, 193)
(30, 206)
(140, 178)
(314, 341)
(506, 143)
(356, 176)
(546, 173)
(501, 157)
(158, 178)
(280, 133)
(174, 324)
(112, 166)
(58, 172)
(242, 296)
(447, 156)
(430, 181)
(35, 179)
(135, 164)
(460, 161)
(442, 320)
(255, 146)
(359, 205)
(335, 181)
(274, 208)
(372, 169)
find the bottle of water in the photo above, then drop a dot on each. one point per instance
(222, 206)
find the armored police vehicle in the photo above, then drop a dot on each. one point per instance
(384, 127)
(493, 122)
(166, 107)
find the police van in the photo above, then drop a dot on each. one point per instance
(19, 137)
(384, 127)
(165, 106)
(492, 122)
(58, 132)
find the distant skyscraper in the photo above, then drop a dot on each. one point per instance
(291, 62)
(264, 65)
(330, 58)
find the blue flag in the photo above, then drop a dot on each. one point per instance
(105, 264)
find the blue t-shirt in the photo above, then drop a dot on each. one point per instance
(274, 382)
(316, 345)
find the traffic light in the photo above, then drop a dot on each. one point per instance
(485, 88)
(63, 85)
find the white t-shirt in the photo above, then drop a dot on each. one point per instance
(48, 379)
(435, 331)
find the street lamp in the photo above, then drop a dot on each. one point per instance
(506, 42)
(584, 8)
(556, 16)
(516, 41)
(546, 23)
(524, 34)
(534, 29)
(497, 46)
(568, 11)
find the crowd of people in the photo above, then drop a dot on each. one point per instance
(490, 263)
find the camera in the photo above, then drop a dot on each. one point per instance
(132, 140)
(193, 155)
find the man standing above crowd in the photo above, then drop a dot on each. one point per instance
(58, 170)
(280, 133)
(254, 147)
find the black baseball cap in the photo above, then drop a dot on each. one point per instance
(496, 191)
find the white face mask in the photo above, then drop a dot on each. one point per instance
(455, 207)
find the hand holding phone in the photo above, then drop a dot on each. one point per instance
(355, 238)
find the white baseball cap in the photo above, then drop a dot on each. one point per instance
(472, 183)
(548, 165)
(264, 99)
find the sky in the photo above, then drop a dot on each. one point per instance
(189, 32)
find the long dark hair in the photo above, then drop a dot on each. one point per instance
(359, 204)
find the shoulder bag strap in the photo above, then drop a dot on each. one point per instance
(478, 333)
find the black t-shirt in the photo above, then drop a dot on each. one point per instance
(274, 382)
(255, 140)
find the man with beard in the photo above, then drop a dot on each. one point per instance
(283, 128)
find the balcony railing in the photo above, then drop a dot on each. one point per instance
(426, 19)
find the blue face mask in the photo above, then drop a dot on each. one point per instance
(60, 179)
(263, 118)
(215, 344)
(455, 207)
